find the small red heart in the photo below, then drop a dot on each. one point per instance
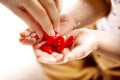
(45, 36)
(70, 41)
(58, 41)
(61, 47)
(46, 48)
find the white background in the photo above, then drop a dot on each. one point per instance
(17, 62)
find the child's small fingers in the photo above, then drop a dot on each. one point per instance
(25, 33)
(27, 40)
(37, 45)
(30, 30)
(46, 58)
(57, 56)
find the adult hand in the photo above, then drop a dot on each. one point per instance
(36, 13)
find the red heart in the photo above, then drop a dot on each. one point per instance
(56, 43)
(46, 48)
(70, 41)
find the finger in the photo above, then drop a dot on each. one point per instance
(65, 51)
(38, 45)
(58, 4)
(52, 11)
(54, 58)
(29, 36)
(50, 60)
(26, 17)
(25, 33)
(60, 56)
(57, 56)
(23, 14)
(44, 57)
(27, 40)
(40, 15)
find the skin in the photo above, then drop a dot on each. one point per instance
(85, 12)
(38, 14)
(88, 40)
(68, 21)
(27, 38)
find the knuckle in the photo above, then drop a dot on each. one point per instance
(21, 2)
(42, 12)
(26, 3)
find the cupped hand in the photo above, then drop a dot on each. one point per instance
(44, 57)
(85, 43)
(67, 24)
(36, 13)
(30, 37)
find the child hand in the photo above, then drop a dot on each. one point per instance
(87, 41)
(30, 37)
(84, 44)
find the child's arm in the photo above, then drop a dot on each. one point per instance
(108, 44)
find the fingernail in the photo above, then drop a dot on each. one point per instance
(40, 34)
(57, 28)
(51, 32)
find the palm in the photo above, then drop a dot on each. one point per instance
(66, 25)
(84, 44)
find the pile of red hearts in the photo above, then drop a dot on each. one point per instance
(55, 43)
